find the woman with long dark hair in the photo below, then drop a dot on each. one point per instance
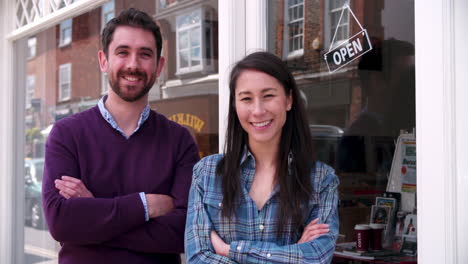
(266, 200)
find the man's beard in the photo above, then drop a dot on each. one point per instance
(116, 86)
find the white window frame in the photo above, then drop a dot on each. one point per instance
(330, 28)
(288, 23)
(64, 69)
(188, 29)
(30, 87)
(66, 26)
(32, 47)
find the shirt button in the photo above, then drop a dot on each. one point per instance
(239, 248)
(261, 227)
(219, 204)
(268, 255)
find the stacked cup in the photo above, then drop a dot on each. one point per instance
(362, 237)
(368, 236)
(376, 236)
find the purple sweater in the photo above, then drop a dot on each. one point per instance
(111, 227)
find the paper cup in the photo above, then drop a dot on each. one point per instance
(376, 236)
(362, 237)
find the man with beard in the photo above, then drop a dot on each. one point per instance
(117, 176)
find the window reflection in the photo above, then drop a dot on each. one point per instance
(63, 78)
(357, 113)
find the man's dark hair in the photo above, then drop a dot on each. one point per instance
(133, 18)
(293, 178)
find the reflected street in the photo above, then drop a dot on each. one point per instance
(40, 247)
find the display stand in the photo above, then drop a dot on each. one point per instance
(402, 178)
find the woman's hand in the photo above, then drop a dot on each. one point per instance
(220, 247)
(313, 230)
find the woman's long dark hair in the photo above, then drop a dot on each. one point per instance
(295, 187)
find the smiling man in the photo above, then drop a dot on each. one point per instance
(117, 176)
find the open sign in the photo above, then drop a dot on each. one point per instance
(348, 51)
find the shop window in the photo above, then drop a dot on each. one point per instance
(53, 91)
(30, 84)
(294, 28)
(361, 118)
(64, 82)
(32, 47)
(65, 32)
(194, 41)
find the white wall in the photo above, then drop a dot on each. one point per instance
(441, 125)
(461, 98)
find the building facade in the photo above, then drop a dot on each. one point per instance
(367, 70)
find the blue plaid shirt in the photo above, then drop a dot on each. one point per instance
(252, 235)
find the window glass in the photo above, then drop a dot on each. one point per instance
(63, 78)
(32, 47)
(358, 112)
(66, 32)
(108, 12)
(189, 38)
(30, 83)
(64, 81)
(294, 24)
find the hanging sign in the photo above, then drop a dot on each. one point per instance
(348, 50)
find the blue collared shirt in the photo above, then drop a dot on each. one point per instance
(252, 233)
(143, 117)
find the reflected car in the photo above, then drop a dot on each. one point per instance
(33, 214)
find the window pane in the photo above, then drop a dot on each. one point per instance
(183, 59)
(195, 37)
(195, 57)
(191, 18)
(195, 17)
(357, 112)
(183, 40)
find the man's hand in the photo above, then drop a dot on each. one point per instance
(70, 187)
(220, 247)
(313, 230)
(159, 204)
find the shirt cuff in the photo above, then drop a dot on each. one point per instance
(145, 205)
(238, 250)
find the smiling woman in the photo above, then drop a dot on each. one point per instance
(266, 199)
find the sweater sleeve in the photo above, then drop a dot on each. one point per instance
(82, 220)
(165, 234)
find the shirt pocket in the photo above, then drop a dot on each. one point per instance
(212, 201)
